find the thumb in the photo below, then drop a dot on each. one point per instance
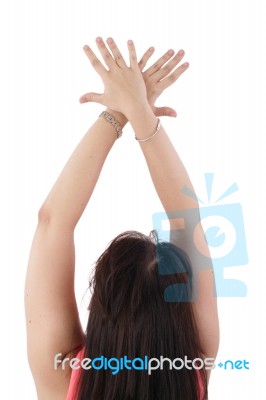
(164, 112)
(91, 98)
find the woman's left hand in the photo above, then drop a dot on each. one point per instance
(124, 86)
(162, 74)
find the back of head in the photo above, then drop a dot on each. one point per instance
(130, 316)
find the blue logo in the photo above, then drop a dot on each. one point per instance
(224, 231)
(230, 364)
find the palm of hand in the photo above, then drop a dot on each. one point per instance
(126, 86)
(161, 75)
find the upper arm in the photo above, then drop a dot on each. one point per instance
(52, 318)
(204, 303)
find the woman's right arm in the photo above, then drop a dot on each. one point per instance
(126, 92)
(169, 177)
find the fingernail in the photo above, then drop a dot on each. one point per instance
(181, 52)
(151, 49)
(98, 39)
(170, 52)
(186, 65)
(86, 47)
(130, 42)
(172, 114)
(110, 40)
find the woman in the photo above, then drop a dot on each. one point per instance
(129, 313)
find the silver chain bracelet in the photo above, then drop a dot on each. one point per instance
(150, 137)
(109, 118)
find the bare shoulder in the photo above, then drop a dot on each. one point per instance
(53, 384)
(204, 296)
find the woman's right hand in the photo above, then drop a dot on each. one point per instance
(120, 78)
(160, 76)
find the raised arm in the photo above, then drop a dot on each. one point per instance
(52, 319)
(169, 177)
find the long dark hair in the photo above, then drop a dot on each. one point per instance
(130, 316)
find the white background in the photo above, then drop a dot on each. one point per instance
(220, 127)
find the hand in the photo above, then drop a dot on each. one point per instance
(157, 78)
(160, 76)
(124, 87)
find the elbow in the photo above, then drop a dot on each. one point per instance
(55, 220)
(44, 215)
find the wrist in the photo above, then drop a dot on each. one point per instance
(118, 116)
(139, 110)
(143, 122)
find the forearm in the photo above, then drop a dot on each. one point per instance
(167, 170)
(169, 177)
(74, 187)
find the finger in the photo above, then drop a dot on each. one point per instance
(160, 62)
(168, 67)
(132, 54)
(95, 62)
(172, 78)
(91, 98)
(106, 55)
(164, 112)
(145, 58)
(116, 53)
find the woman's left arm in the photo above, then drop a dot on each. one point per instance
(52, 319)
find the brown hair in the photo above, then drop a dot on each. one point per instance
(130, 316)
